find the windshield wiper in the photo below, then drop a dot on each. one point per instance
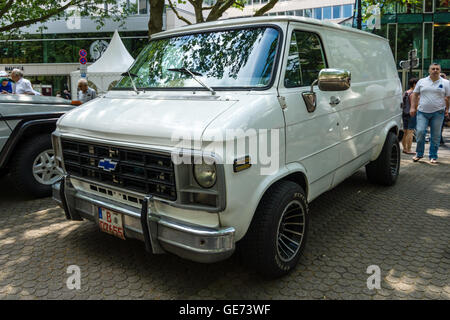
(131, 75)
(193, 74)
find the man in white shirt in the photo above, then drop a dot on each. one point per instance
(433, 91)
(22, 86)
(85, 93)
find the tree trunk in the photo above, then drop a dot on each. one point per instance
(155, 23)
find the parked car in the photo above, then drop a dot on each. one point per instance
(329, 95)
(26, 153)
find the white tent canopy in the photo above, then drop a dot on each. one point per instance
(114, 61)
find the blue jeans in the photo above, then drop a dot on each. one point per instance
(435, 121)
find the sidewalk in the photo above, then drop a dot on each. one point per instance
(444, 151)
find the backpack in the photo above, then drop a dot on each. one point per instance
(406, 103)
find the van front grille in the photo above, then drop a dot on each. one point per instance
(139, 171)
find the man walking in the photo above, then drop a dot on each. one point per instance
(85, 93)
(433, 91)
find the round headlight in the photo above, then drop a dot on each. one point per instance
(205, 174)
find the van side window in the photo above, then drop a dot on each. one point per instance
(305, 59)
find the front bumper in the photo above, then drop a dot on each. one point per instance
(160, 234)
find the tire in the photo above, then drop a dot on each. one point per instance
(261, 248)
(385, 169)
(34, 153)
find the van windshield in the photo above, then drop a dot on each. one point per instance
(221, 59)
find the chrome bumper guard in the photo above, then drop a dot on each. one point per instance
(160, 234)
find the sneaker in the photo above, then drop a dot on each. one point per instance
(433, 161)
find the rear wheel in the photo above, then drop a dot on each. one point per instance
(385, 169)
(33, 167)
(277, 234)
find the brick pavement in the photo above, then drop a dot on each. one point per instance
(403, 229)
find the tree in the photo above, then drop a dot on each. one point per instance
(385, 4)
(16, 14)
(216, 11)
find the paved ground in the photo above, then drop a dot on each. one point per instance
(405, 230)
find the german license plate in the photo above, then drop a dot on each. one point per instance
(110, 222)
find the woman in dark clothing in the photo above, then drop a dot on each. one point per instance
(409, 123)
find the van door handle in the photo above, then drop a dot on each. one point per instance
(334, 101)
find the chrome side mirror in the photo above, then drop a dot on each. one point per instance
(334, 80)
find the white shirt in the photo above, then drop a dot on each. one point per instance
(24, 86)
(432, 94)
(85, 97)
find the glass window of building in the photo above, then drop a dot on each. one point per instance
(428, 5)
(264, 1)
(143, 6)
(441, 46)
(318, 13)
(327, 12)
(299, 13)
(282, 13)
(290, 13)
(336, 12)
(442, 6)
(410, 36)
(347, 10)
(308, 13)
(305, 60)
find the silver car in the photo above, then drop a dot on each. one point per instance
(26, 154)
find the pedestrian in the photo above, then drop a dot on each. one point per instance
(66, 95)
(5, 83)
(409, 123)
(85, 93)
(430, 109)
(446, 118)
(22, 85)
(58, 94)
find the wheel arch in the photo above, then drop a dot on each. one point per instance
(291, 172)
(21, 133)
(391, 126)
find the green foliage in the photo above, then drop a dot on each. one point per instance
(16, 14)
(385, 4)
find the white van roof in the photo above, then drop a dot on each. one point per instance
(235, 22)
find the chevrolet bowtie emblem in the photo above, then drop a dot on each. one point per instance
(107, 164)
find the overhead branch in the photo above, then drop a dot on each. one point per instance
(177, 14)
(23, 23)
(265, 8)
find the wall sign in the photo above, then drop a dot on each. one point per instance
(11, 68)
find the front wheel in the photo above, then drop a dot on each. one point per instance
(385, 169)
(33, 168)
(277, 234)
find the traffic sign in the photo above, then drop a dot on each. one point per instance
(83, 53)
(83, 60)
(404, 64)
(83, 70)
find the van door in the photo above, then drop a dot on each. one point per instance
(312, 137)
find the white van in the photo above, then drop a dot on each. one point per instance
(222, 133)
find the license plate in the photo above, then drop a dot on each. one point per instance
(110, 222)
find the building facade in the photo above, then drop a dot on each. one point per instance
(333, 10)
(424, 27)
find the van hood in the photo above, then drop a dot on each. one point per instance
(148, 119)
